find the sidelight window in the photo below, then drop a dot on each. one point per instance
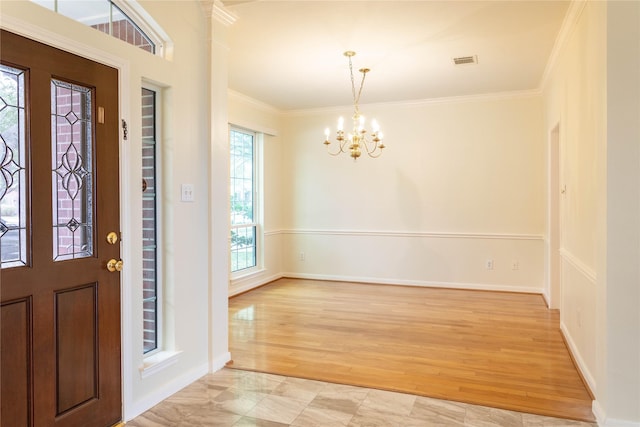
(13, 152)
(150, 223)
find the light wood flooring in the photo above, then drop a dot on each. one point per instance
(496, 349)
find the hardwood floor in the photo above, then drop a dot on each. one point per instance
(497, 349)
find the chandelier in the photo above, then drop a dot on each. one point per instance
(357, 140)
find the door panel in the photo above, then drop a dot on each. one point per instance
(76, 338)
(61, 310)
(16, 357)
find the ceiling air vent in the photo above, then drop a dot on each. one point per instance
(465, 60)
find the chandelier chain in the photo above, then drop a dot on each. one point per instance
(356, 99)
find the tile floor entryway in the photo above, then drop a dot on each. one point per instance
(237, 398)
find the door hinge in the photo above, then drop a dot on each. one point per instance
(125, 132)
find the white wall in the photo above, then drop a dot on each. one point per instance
(574, 97)
(219, 221)
(185, 148)
(460, 182)
(621, 315)
(593, 93)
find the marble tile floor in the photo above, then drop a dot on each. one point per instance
(236, 398)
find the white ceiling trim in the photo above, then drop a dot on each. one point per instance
(568, 25)
(222, 14)
(252, 101)
(253, 127)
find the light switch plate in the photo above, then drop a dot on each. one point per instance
(187, 193)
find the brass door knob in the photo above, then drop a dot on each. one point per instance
(113, 265)
(112, 237)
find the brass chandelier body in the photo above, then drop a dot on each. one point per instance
(356, 141)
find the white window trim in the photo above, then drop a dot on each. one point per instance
(136, 13)
(142, 18)
(158, 362)
(160, 320)
(258, 191)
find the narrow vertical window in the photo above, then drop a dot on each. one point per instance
(243, 200)
(150, 288)
(13, 185)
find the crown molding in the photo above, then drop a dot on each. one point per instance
(222, 14)
(568, 24)
(254, 102)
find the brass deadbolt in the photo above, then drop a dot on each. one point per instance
(112, 238)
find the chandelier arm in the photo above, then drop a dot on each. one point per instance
(341, 149)
(372, 152)
(366, 144)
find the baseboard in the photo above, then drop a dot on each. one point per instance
(601, 418)
(545, 297)
(166, 390)
(219, 362)
(245, 285)
(598, 412)
(418, 283)
(578, 360)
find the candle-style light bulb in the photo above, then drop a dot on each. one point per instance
(380, 135)
(375, 127)
(341, 123)
(326, 133)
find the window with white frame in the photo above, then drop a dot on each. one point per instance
(151, 284)
(244, 200)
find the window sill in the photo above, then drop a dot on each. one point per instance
(248, 274)
(157, 362)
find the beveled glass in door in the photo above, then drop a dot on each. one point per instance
(13, 185)
(71, 147)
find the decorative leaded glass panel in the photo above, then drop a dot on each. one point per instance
(72, 142)
(13, 185)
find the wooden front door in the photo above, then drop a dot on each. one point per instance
(60, 305)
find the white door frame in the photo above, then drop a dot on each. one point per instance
(554, 231)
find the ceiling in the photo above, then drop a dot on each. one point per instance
(289, 54)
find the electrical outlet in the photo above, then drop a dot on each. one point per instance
(302, 256)
(515, 265)
(489, 264)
